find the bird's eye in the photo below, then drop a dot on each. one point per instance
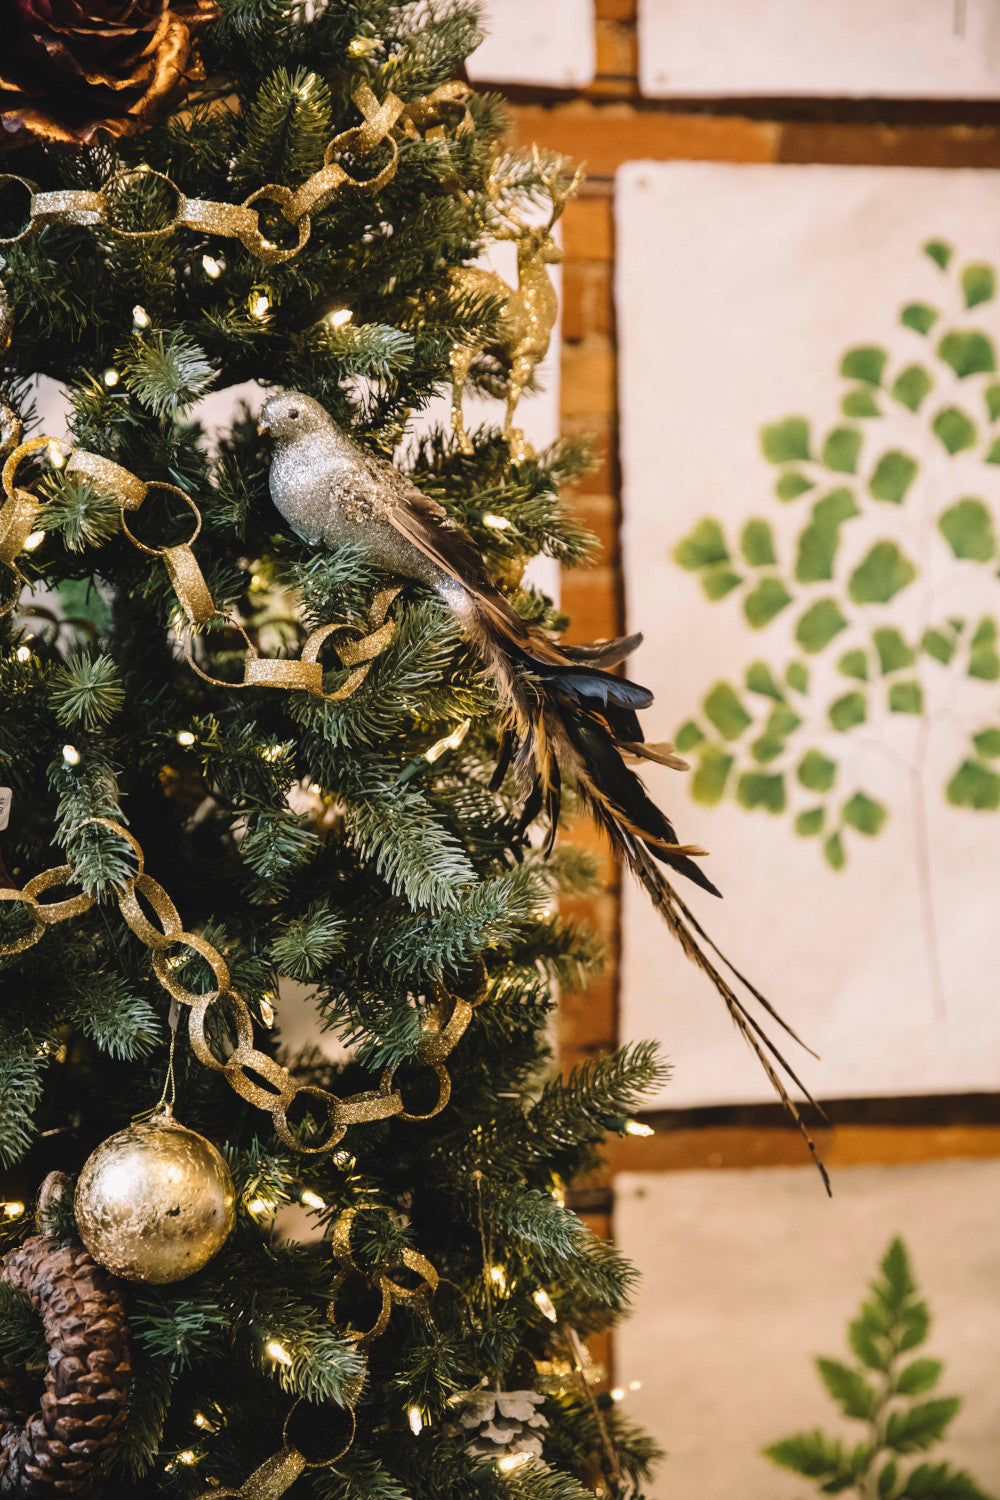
(294, 412)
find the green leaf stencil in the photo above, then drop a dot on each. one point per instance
(836, 577)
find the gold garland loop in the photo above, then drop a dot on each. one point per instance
(388, 122)
(252, 1074)
(391, 1292)
(277, 1473)
(17, 520)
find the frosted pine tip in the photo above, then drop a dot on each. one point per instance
(416, 1420)
(635, 1127)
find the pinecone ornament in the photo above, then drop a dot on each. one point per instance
(56, 1448)
(499, 1424)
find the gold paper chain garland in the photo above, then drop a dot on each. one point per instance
(233, 220)
(444, 1019)
(386, 122)
(277, 1473)
(391, 1291)
(17, 520)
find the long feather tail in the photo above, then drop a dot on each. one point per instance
(563, 708)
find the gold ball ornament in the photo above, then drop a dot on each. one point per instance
(155, 1202)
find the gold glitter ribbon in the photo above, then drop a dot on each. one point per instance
(357, 652)
(232, 220)
(252, 1074)
(277, 1473)
(391, 1292)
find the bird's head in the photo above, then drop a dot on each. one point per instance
(290, 415)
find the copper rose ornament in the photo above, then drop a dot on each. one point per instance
(69, 68)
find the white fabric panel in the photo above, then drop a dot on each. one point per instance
(748, 1276)
(550, 44)
(739, 289)
(858, 48)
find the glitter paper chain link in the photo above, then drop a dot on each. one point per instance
(232, 220)
(387, 122)
(17, 521)
(255, 1076)
(391, 1292)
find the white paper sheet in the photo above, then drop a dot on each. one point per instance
(548, 45)
(739, 290)
(861, 48)
(748, 1276)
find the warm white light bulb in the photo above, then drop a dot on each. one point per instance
(34, 540)
(266, 1011)
(497, 523)
(618, 1394)
(187, 1457)
(140, 317)
(311, 1199)
(71, 755)
(272, 752)
(261, 1206)
(416, 1420)
(23, 653)
(110, 378)
(545, 1305)
(512, 1461)
(635, 1127)
(260, 304)
(185, 737)
(498, 1278)
(450, 742)
(340, 318)
(279, 1352)
(13, 1209)
(211, 267)
(55, 453)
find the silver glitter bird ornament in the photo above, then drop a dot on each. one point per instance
(561, 711)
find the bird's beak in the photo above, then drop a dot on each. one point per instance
(263, 428)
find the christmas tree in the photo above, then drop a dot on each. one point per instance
(235, 762)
